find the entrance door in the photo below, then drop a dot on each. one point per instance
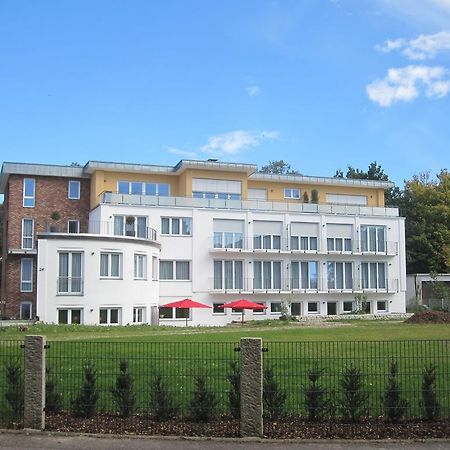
(331, 308)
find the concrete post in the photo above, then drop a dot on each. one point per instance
(34, 400)
(251, 387)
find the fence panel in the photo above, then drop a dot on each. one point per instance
(164, 372)
(11, 384)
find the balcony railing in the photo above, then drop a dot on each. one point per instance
(255, 205)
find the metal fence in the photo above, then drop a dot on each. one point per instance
(11, 384)
(178, 388)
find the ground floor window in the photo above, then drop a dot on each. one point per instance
(139, 314)
(275, 307)
(174, 313)
(217, 308)
(347, 307)
(69, 316)
(296, 309)
(260, 311)
(26, 310)
(313, 307)
(109, 316)
(381, 305)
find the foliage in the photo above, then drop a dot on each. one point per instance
(53, 398)
(430, 404)
(274, 398)
(278, 167)
(84, 405)
(14, 394)
(305, 197)
(360, 304)
(234, 394)
(203, 402)
(394, 403)
(162, 404)
(354, 398)
(123, 391)
(314, 196)
(315, 394)
(285, 311)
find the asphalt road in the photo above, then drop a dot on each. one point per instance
(48, 441)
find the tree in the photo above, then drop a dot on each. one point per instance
(278, 167)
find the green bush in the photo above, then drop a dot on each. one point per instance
(315, 394)
(430, 404)
(274, 398)
(53, 398)
(123, 391)
(354, 398)
(85, 404)
(234, 394)
(394, 404)
(203, 402)
(162, 404)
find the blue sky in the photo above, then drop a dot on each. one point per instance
(318, 83)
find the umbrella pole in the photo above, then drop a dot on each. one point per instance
(243, 312)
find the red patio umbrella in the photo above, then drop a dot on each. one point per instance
(243, 304)
(186, 303)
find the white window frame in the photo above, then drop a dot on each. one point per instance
(22, 279)
(266, 241)
(139, 314)
(69, 315)
(31, 237)
(180, 221)
(309, 285)
(109, 256)
(176, 313)
(140, 266)
(219, 311)
(365, 242)
(313, 303)
(27, 303)
(130, 229)
(351, 306)
(155, 266)
(272, 278)
(377, 285)
(222, 281)
(344, 273)
(278, 303)
(73, 221)
(29, 197)
(220, 239)
(333, 248)
(108, 315)
(71, 184)
(300, 307)
(174, 270)
(143, 190)
(311, 242)
(69, 273)
(386, 303)
(292, 193)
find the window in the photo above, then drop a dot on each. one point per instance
(26, 310)
(373, 275)
(339, 275)
(69, 316)
(216, 189)
(140, 188)
(140, 266)
(26, 275)
(216, 195)
(110, 265)
(217, 308)
(228, 275)
(291, 193)
(313, 307)
(74, 190)
(305, 243)
(382, 305)
(373, 238)
(174, 313)
(73, 226)
(70, 279)
(304, 275)
(275, 307)
(296, 308)
(176, 226)
(267, 242)
(27, 233)
(29, 192)
(339, 244)
(154, 268)
(165, 313)
(228, 239)
(109, 316)
(174, 270)
(344, 199)
(139, 314)
(347, 307)
(267, 275)
(131, 226)
(260, 311)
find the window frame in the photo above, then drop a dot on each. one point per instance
(263, 238)
(272, 309)
(366, 242)
(143, 311)
(290, 193)
(108, 310)
(317, 311)
(22, 280)
(31, 237)
(334, 280)
(218, 311)
(220, 239)
(385, 309)
(174, 269)
(73, 221)
(26, 197)
(368, 285)
(30, 305)
(70, 184)
(70, 315)
(109, 255)
(272, 280)
(222, 282)
(180, 220)
(309, 284)
(140, 266)
(69, 275)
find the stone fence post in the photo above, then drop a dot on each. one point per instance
(34, 396)
(251, 387)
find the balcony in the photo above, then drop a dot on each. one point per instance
(113, 198)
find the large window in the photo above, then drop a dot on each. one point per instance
(140, 266)
(220, 189)
(140, 188)
(27, 233)
(174, 313)
(339, 275)
(68, 316)
(110, 265)
(339, 244)
(109, 316)
(70, 279)
(267, 242)
(373, 238)
(291, 193)
(304, 275)
(174, 270)
(73, 190)
(373, 275)
(29, 192)
(26, 275)
(26, 310)
(228, 275)
(139, 314)
(131, 226)
(176, 226)
(73, 226)
(267, 275)
(305, 243)
(228, 239)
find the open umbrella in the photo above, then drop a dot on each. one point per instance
(187, 303)
(243, 304)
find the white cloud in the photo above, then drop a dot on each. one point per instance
(253, 90)
(425, 46)
(234, 142)
(406, 83)
(183, 153)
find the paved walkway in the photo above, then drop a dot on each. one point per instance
(48, 441)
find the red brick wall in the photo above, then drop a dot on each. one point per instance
(51, 195)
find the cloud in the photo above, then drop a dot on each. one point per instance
(253, 90)
(426, 46)
(183, 153)
(406, 83)
(234, 142)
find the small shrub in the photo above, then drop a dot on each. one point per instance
(123, 391)
(305, 197)
(394, 404)
(84, 405)
(315, 394)
(53, 398)
(430, 404)
(354, 397)
(314, 196)
(14, 394)
(274, 398)
(162, 404)
(203, 402)
(234, 394)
